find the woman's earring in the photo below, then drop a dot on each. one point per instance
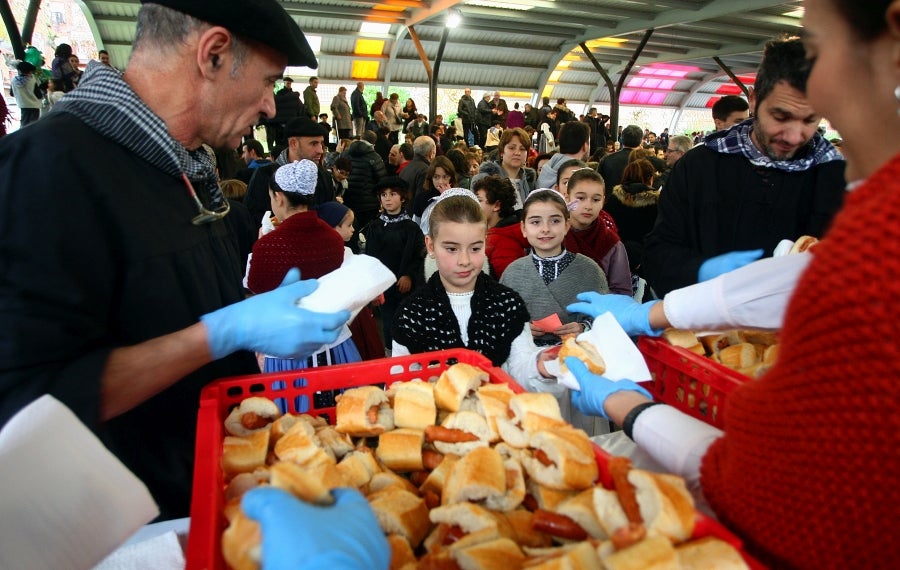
(897, 96)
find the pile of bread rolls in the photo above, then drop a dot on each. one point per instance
(463, 473)
(750, 352)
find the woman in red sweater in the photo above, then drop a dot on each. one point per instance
(807, 471)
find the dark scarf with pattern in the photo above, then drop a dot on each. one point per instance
(551, 267)
(425, 321)
(394, 218)
(107, 104)
(736, 140)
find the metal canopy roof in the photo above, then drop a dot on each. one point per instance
(522, 46)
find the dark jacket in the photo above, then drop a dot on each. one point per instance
(485, 113)
(287, 106)
(612, 166)
(366, 170)
(633, 207)
(716, 203)
(414, 175)
(358, 105)
(466, 110)
(119, 265)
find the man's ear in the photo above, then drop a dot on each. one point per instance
(214, 50)
(751, 99)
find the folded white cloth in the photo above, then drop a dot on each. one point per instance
(67, 502)
(161, 552)
(359, 280)
(623, 360)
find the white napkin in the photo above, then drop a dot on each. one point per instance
(161, 552)
(783, 248)
(66, 501)
(623, 359)
(360, 279)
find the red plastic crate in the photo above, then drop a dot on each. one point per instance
(692, 383)
(312, 391)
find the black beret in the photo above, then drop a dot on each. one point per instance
(263, 21)
(303, 127)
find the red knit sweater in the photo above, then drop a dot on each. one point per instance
(302, 240)
(808, 473)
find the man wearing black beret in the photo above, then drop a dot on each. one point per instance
(129, 300)
(306, 139)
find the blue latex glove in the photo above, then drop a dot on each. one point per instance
(596, 389)
(715, 266)
(272, 323)
(297, 535)
(634, 317)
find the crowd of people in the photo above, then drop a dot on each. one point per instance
(181, 260)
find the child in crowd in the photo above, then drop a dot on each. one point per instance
(440, 176)
(364, 328)
(550, 278)
(593, 232)
(564, 173)
(462, 307)
(505, 242)
(292, 192)
(397, 242)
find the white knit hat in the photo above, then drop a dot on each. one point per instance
(299, 177)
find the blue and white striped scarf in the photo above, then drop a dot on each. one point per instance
(108, 105)
(736, 140)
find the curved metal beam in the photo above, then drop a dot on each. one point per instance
(395, 47)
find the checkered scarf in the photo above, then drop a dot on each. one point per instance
(736, 140)
(109, 106)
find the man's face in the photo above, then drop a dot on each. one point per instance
(496, 95)
(731, 120)
(394, 156)
(238, 99)
(360, 86)
(310, 148)
(247, 154)
(673, 154)
(785, 122)
(651, 138)
(340, 175)
(314, 83)
(468, 92)
(289, 85)
(104, 58)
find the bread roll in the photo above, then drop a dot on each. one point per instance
(570, 454)
(652, 553)
(334, 443)
(477, 476)
(302, 483)
(301, 447)
(583, 351)
(523, 533)
(580, 556)
(414, 405)
(493, 403)
(455, 383)
(546, 497)
(608, 510)
(244, 454)
(492, 555)
(241, 543)
(803, 243)
(531, 411)
(359, 466)
(401, 512)
(437, 478)
(738, 356)
(401, 552)
(515, 488)
(580, 508)
(709, 553)
(401, 449)
(253, 414)
(385, 479)
(358, 412)
(469, 422)
(667, 507)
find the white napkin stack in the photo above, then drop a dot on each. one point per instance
(66, 501)
(352, 286)
(623, 360)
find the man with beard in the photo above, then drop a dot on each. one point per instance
(731, 199)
